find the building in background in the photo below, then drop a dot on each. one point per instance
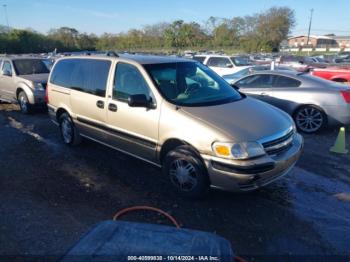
(314, 41)
(323, 41)
(343, 41)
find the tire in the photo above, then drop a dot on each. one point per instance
(187, 172)
(310, 119)
(24, 104)
(69, 133)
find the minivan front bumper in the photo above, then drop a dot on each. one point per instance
(247, 175)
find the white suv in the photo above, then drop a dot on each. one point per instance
(222, 64)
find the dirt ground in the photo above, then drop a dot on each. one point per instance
(50, 194)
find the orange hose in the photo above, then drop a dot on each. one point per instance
(137, 208)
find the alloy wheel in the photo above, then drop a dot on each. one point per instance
(309, 119)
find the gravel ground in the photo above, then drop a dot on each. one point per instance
(51, 194)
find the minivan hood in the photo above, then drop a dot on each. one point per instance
(245, 120)
(36, 78)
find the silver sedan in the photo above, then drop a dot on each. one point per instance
(312, 102)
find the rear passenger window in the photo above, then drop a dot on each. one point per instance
(62, 73)
(129, 81)
(85, 75)
(282, 81)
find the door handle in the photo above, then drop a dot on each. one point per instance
(112, 107)
(264, 94)
(100, 104)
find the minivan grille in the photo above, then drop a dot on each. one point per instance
(279, 145)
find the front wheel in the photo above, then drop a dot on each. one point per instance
(69, 132)
(187, 172)
(24, 103)
(309, 119)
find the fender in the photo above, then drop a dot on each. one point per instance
(65, 108)
(342, 76)
(27, 90)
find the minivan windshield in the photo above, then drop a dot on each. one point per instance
(30, 66)
(191, 84)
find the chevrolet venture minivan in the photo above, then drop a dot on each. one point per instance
(176, 114)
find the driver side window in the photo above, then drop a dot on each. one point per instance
(256, 81)
(129, 81)
(7, 67)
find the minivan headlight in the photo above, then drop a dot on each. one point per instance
(243, 150)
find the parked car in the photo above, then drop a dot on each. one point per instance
(312, 102)
(231, 78)
(336, 74)
(247, 71)
(23, 80)
(342, 57)
(223, 65)
(176, 114)
(302, 63)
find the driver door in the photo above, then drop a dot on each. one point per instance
(132, 129)
(258, 86)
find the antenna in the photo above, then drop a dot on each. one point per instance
(6, 17)
(308, 34)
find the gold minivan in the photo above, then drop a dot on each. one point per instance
(176, 114)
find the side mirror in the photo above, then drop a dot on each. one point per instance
(140, 100)
(6, 73)
(229, 65)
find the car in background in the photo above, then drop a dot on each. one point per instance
(23, 80)
(176, 114)
(231, 78)
(336, 74)
(342, 57)
(260, 59)
(49, 62)
(302, 63)
(247, 71)
(222, 64)
(312, 102)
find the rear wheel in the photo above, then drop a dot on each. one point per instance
(310, 119)
(69, 132)
(24, 103)
(187, 172)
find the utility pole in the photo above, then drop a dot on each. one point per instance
(6, 17)
(308, 34)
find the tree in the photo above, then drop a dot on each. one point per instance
(274, 25)
(258, 32)
(67, 36)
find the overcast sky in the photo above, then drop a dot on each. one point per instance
(114, 16)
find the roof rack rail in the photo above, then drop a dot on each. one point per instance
(112, 53)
